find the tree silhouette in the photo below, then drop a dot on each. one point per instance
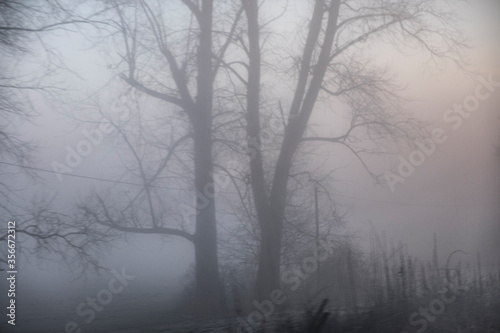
(331, 66)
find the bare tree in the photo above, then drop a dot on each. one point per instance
(186, 50)
(332, 66)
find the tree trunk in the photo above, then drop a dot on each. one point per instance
(271, 213)
(268, 272)
(208, 287)
(209, 295)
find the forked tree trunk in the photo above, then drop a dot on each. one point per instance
(271, 207)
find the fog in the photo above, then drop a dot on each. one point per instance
(450, 199)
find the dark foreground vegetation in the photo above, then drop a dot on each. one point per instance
(384, 291)
(467, 314)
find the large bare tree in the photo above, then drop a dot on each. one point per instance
(332, 66)
(171, 52)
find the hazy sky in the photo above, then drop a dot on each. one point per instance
(454, 193)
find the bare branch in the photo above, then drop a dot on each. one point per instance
(193, 7)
